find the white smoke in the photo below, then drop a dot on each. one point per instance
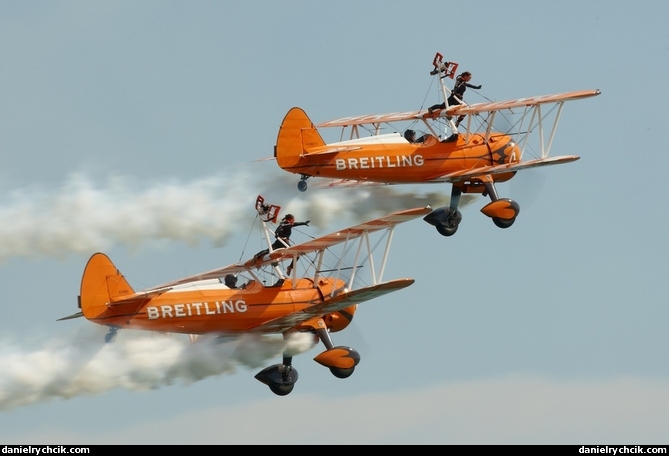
(84, 365)
(84, 217)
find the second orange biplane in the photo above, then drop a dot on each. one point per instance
(472, 161)
(321, 301)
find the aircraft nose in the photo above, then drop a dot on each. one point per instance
(508, 153)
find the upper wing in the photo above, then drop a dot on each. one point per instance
(373, 119)
(356, 144)
(213, 274)
(459, 109)
(339, 302)
(344, 235)
(317, 244)
(522, 102)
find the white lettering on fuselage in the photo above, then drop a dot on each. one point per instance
(387, 161)
(190, 309)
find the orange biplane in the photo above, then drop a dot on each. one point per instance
(472, 161)
(322, 300)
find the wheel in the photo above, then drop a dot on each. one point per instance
(447, 221)
(279, 378)
(503, 206)
(503, 223)
(281, 389)
(446, 230)
(109, 337)
(302, 186)
(342, 373)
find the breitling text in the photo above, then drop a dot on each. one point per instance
(387, 161)
(195, 309)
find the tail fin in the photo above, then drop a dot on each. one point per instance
(100, 283)
(296, 134)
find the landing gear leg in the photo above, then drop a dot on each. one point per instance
(491, 191)
(280, 378)
(111, 335)
(324, 335)
(447, 219)
(456, 192)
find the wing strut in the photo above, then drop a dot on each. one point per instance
(355, 262)
(545, 153)
(391, 230)
(377, 277)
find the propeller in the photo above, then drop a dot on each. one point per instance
(526, 185)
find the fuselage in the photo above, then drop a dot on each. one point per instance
(395, 161)
(214, 308)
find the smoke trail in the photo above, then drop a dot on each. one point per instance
(84, 218)
(85, 365)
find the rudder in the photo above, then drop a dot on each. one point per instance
(296, 134)
(100, 283)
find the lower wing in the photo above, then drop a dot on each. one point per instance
(329, 305)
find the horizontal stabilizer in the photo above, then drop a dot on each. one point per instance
(71, 317)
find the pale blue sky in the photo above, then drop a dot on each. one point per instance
(131, 128)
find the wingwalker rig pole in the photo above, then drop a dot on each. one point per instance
(445, 70)
(268, 213)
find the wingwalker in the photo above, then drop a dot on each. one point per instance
(321, 300)
(472, 160)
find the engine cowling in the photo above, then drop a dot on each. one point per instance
(336, 321)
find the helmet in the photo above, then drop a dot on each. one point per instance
(231, 280)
